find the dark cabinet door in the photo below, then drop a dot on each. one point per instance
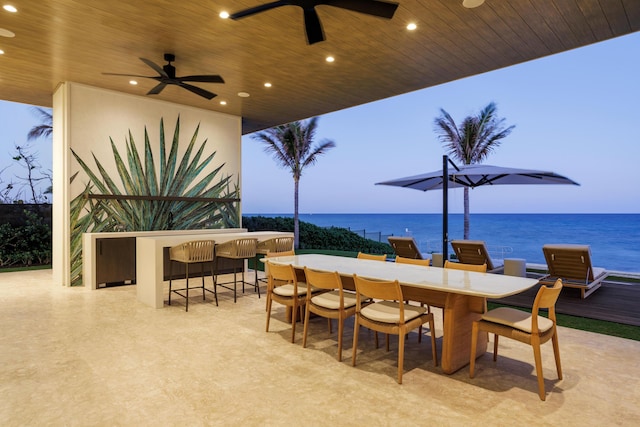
(116, 260)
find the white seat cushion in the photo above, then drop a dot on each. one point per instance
(331, 300)
(287, 290)
(516, 319)
(389, 312)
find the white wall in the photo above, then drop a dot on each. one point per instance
(85, 118)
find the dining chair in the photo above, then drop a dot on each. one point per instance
(236, 250)
(415, 261)
(283, 287)
(329, 300)
(528, 328)
(362, 255)
(389, 314)
(193, 252)
(481, 268)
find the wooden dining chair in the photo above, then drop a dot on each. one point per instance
(529, 328)
(275, 245)
(283, 287)
(414, 261)
(328, 300)
(362, 255)
(389, 315)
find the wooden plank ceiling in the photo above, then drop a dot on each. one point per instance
(78, 40)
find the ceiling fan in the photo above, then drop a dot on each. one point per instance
(167, 76)
(313, 26)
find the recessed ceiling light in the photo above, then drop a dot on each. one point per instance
(6, 33)
(223, 102)
(133, 82)
(330, 59)
(243, 94)
(224, 15)
(411, 26)
(9, 8)
(470, 4)
(267, 84)
(1, 52)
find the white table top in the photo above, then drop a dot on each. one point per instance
(445, 280)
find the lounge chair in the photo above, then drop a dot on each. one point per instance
(572, 264)
(475, 252)
(405, 247)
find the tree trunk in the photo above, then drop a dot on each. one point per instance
(466, 213)
(296, 223)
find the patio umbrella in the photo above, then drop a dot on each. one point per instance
(472, 176)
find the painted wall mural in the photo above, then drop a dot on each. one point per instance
(152, 190)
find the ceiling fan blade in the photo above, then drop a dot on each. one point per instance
(198, 91)
(157, 89)
(156, 67)
(204, 79)
(312, 26)
(128, 75)
(258, 9)
(383, 9)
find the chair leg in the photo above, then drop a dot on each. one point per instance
(202, 273)
(495, 347)
(432, 332)
(294, 319)
(340, 333)
(538, 359)
(170, 277)
(354, 350)
(306, 327)
(187, 290)
(556, 353)
(400, 355)
(474, 344)
(215, 291)
(386, 337)
(268, 309)
(234, 285)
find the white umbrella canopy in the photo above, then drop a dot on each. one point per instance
(476, 175)
(472, 176)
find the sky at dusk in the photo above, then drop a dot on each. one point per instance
(576, 114)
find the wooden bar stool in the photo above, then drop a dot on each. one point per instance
(277, 244)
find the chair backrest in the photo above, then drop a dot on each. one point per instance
(324, 280)
(546, 297)
(403, 260)
(379, 290)
(281, 274)
(472, 252)
(193, 251)
(569, 261)
(283, 253)
(277, 244)
(362, 255)
(405, 247)
(467, 267)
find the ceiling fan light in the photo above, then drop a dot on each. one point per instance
(470, 4)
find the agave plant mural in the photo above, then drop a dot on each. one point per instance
(150, 197)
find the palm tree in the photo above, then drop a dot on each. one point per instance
(472, 141)
(44, 129)
(292, 147)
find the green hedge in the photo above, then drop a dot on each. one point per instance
(314, 237)
(25, 245)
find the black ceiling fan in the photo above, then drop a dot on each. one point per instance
(167, 76)
(313, 26)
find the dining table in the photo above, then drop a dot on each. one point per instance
(461, 294)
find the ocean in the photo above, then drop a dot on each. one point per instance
(614, 238)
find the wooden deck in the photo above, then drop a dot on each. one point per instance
(613, 302)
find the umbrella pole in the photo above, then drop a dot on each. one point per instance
(445, 207)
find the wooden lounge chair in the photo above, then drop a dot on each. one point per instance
(405, 247)
(475, 252)
(572, 264)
